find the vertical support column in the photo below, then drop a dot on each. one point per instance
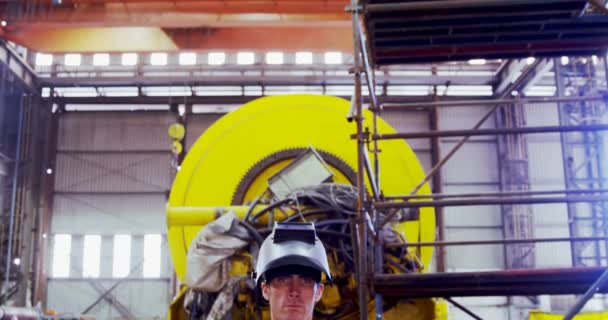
(437, 184)
(15, 180)
(517, 219)
(582, 156)
(567, 159)
(46, 204)
(360, 226)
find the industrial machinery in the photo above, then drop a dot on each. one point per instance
(292, 158)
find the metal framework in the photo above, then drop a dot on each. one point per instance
(515, 193)
(583, 157)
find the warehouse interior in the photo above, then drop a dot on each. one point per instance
(500, 104)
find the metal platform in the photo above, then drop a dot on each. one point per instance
(521, 282)
(402, 32)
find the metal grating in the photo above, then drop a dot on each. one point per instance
(402, 32)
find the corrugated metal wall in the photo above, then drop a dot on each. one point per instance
(112, 176)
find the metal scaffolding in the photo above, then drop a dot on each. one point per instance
(586, 189)
(583, 156)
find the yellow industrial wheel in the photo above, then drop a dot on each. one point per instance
(231, 162)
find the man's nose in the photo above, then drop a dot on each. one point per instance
(294, 287)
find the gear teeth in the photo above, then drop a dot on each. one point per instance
(239, 194)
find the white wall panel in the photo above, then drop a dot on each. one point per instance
(146, 299)
(545, 165)
(552, 254)
(108, 214)
(487, 216)
(489, 312)
(457, 118)
(112, 172)
(473, 163)
(410, 122)
(541, 114)
(476, 257)
(114, 131)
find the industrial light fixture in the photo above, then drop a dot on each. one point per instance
(477, 62)
(594, 59)
(3, 23)
(49, 171)
(158, 59)
(303, 57)
(216, 58)
(43, 59)
(187, 58)
(72, 59)
(274, 57)
(530, 60)
(333, 57)
(101, 59)
(129, 59)
(564, 60)
(245, 58)
(17, 261)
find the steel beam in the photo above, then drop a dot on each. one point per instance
(507, 75)
(582, 300)
(523, 282)
(489, 201)
(496, 194)
(18, 66)
(359, 224)
(449, 4)
(486, 132)
(486, 102)
(494, 242)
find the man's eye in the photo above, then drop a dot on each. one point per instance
(281, 279)
(309, 281)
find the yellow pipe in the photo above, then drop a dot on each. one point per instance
(197, 216)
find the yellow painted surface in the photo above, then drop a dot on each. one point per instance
(222, 156)
(538, 315)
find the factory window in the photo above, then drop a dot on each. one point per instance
(91, 256)
(216, 58)
(121, 266)
(152, 247)
(303, 57)
(274, 58)
(44, 60)
(62, 248)
(129, 59)
(101, 59)
(72, 59)
(477, 62)
(187, 58)
(245, 58)
(333, 57)
(158, 59)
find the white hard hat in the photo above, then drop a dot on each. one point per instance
(292, 244)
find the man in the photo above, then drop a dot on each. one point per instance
(290, 269)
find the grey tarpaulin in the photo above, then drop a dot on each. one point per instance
(208, 263)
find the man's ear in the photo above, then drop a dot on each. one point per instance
(319, 293)
(265, 290)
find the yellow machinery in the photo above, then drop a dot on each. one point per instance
(229, 166)
(539, 315)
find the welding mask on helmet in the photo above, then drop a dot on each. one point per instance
(292, 246)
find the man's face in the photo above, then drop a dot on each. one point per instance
(292, 297)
